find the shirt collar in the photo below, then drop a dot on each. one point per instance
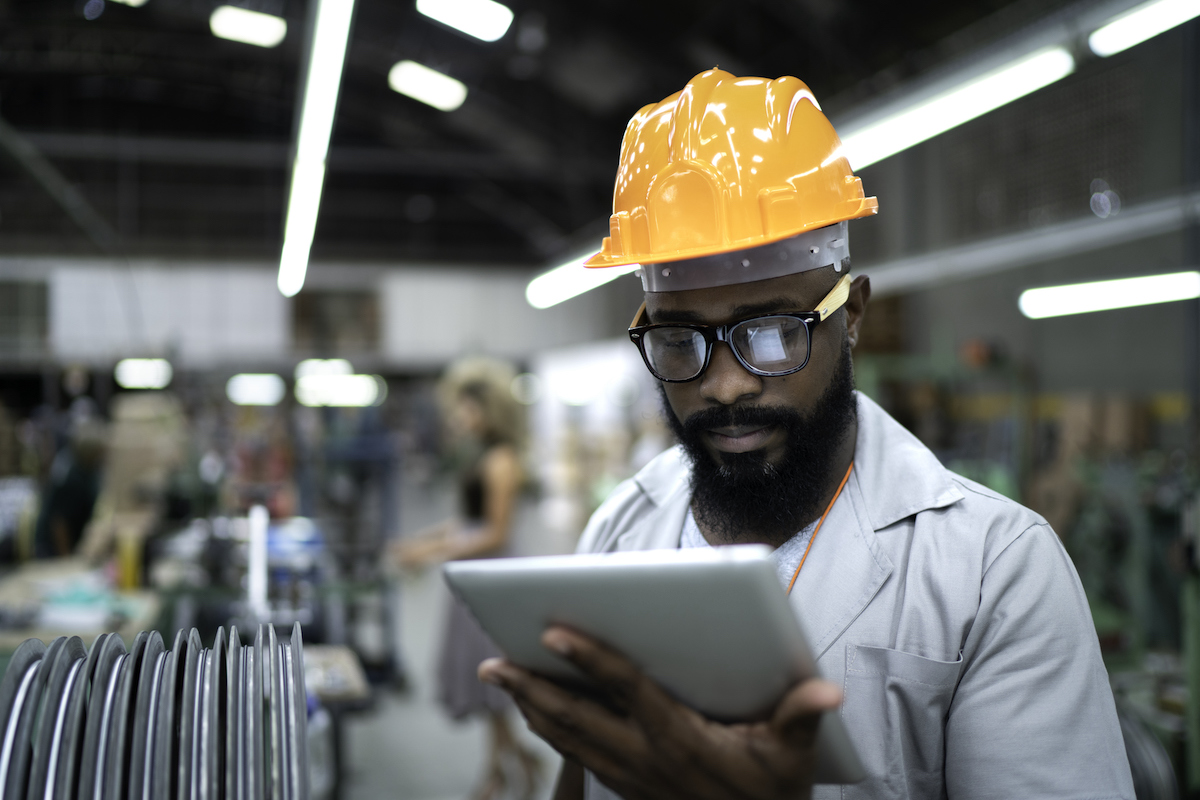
(666, 475)
(898, 475)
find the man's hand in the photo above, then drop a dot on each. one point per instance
(643, 744)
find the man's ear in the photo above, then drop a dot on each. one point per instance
(856, 307)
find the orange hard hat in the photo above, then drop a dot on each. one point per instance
(724, 165)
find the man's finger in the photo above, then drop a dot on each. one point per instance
(800, 709)
(660, 718)
(586, 751)
(580, 729)
(624, 684)
(606, 666)
(569, 722)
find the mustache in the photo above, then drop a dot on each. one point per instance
(733, 416)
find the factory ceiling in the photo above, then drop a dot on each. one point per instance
(175, 144)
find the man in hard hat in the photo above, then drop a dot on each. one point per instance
(947, 620)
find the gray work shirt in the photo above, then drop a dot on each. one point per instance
(950, 615)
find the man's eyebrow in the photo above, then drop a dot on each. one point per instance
(776, 305)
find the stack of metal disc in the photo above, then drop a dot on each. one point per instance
(148, 723)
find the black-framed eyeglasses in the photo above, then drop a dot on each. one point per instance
(769, 345)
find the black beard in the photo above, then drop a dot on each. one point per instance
(743, 497)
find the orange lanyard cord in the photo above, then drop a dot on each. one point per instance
(820, 522)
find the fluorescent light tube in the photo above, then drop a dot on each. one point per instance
(244, 25)
(910, 126)
(143, 373)
(255, 389)
(330, 38)
(1141, 23)
(483, 19)
(346, 391)
(570, 279)
(134, 3)
(427, 85)
(304, 201)
(323, 366)
(1082, 298)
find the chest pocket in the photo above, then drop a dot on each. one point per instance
(895, 711)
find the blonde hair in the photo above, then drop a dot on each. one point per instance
(487, 381)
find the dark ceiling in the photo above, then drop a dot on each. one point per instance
(180, 141)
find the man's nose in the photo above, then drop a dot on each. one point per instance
(726, 381)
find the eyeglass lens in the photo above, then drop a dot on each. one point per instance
(676, 354)
(768, 344)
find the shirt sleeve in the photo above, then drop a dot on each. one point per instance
(1033, 715)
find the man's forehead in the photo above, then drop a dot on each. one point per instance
(789, 293)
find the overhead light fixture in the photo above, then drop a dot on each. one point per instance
(345, 391)
(431, 87)
(255, 389)
(483, 19)
(331, 35)
(134, 3)
(1082, 298)
(323, 366)
(956, 105)
(243, 25)
(143, 373)
(304, 201)
(526, 388)
(570, 279)
(1141, 23)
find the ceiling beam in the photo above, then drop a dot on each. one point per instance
(274, 156)
(1033, 246)
(70, 199)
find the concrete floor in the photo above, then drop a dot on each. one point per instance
(407, 748)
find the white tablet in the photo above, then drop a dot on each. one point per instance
(711, 625)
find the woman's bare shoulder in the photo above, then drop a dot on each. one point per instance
(501, 461)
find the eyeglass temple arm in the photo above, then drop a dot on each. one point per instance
(836, 298)
(638, 316)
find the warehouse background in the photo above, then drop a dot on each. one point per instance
(144, 174)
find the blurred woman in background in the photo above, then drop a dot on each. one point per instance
(485, 428)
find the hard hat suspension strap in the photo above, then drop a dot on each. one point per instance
(823, 247)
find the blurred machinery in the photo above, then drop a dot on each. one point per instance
(225, 721)
(198, 526)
